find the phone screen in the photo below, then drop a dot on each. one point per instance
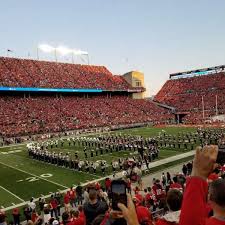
(118, 194)
(221, 157)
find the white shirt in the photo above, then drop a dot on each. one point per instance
(32, 205)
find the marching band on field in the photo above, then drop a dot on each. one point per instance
(95, 146)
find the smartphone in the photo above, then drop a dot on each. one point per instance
(119, 195)
(221, 155)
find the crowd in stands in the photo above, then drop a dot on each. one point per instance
(44, 114)
(194, 196)
(191, 93)
(16, 72)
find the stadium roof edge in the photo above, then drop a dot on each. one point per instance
(199, 71)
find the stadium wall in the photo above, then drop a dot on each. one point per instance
(135, 79)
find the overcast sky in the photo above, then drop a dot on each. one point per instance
(155, 37)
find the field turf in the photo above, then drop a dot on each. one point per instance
(22, 177)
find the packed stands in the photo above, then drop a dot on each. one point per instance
(32, 73)
(40, 114)
(189, 94)
(29, 113)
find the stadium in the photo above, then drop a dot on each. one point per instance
(70, 131)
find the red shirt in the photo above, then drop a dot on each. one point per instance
(107, 184)
(176, 186)
(157, 190)
(34, 216)
(213, 176)
(66, 199)
(97, 186)
(53, 203)
(72, 194)
(143, 214)
(77, 221)
(164, 222)
(139, 197)
(192, 213)
(149, 197)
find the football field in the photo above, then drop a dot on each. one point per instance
(21, 177)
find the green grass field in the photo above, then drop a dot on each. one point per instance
(22, 177)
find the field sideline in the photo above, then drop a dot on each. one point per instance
(23, 177)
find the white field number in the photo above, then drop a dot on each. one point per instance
(33, 179)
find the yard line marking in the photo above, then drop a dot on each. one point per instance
(9, 146)
(19, 181)
(34, 175)
(13, 203)
(12, 194)
(2, 207)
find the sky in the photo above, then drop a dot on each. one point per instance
(154, 37)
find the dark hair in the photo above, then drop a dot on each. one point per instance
(217, 192)
(175, 179)
(92, 194)
(65, 217)
(74, 213)
(174, 199)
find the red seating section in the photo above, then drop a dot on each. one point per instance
(185, 94)
(32, 73)
(22, 116)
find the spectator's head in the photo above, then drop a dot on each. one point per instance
(65, 217)
(217, 195)
(149, 189)
(157, 182)
(175, 179)
(74, 213)
(92, 195)
(174, 199)
(145, 190)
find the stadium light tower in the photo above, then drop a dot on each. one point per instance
(62, 50)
